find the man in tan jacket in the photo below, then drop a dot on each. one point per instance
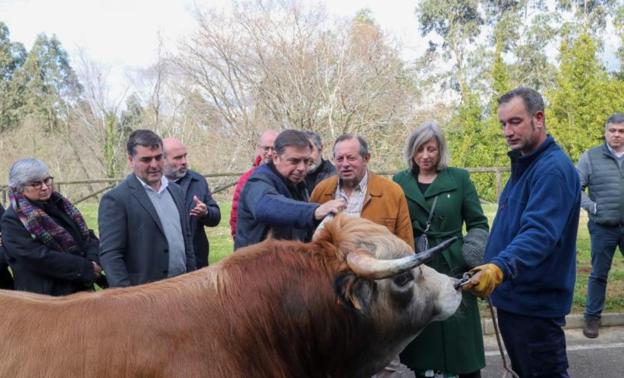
(367, 195)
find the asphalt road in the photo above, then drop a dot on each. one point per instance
(602, 357)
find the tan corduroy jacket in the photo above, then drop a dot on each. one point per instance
(384, 204)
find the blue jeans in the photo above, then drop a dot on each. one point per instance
(536, 346)
(604, 240)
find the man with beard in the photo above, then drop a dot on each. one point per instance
(144, 227)
(320, 168)
(200, 206)
(274, 200)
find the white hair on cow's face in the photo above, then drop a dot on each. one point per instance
(349, 234)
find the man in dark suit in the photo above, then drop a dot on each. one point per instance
(202, 209)
(144, 228)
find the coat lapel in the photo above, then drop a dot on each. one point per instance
(181, 207)
(442, 184)
(138, 192)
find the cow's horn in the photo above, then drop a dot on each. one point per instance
(365, 265)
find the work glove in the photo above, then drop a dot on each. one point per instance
(483, 280)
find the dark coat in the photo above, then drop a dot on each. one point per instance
(323, 171)
(194, 184)
(39, 269)
(6, 279)
(268, 203)
(456, 344)
(133, 246)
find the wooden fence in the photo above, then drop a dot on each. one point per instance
(95, 187)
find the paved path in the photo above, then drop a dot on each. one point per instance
(602, 357)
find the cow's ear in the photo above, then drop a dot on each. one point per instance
(353, 291)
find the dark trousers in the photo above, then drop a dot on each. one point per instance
(536, 346)
(604, 241)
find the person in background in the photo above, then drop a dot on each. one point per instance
(275, 199)
(144, 225)
(201, 207)
(6, 279)
(264, 153)
(320, 168)
(601, 171)
(366, 194)
(530, 256)
(441, 200)
(47, 242)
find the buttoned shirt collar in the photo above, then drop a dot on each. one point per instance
(164, 182)
(355, 202)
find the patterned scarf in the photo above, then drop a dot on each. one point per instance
(42, 227)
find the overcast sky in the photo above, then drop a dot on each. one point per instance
(124, 33)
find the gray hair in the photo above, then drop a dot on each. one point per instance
(615, 119)
(533, 101)
(25, 171)
(315, 138)
(361, 141)
(423, 134)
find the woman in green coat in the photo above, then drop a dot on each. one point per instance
(453, 347)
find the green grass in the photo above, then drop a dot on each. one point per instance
(221, 246)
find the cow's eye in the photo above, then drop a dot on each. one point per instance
(403, 278)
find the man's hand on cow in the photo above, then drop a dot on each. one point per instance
(200, 209)
(330, 207)
(483, 280)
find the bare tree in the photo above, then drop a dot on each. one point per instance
(286, 64)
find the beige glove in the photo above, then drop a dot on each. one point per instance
(484, 279)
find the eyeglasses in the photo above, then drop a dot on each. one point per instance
(39, 184)
(267, 148)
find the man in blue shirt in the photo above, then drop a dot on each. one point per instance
(531, 252)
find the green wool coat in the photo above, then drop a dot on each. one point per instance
(456, 344)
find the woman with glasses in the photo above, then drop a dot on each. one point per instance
(47, 242)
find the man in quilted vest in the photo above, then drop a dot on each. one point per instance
(601, 171)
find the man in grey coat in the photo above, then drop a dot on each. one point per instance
(601, 171)
(144, 227)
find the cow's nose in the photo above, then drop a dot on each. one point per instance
(456, 283)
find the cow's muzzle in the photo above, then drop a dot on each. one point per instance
(362, 263)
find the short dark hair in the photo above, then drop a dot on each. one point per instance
(291, 138)
(343, 137)
(533, 101)
(145, 138)
(615, 119)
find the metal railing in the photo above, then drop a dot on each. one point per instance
(110, 183)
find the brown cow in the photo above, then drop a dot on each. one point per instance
(276, 309)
